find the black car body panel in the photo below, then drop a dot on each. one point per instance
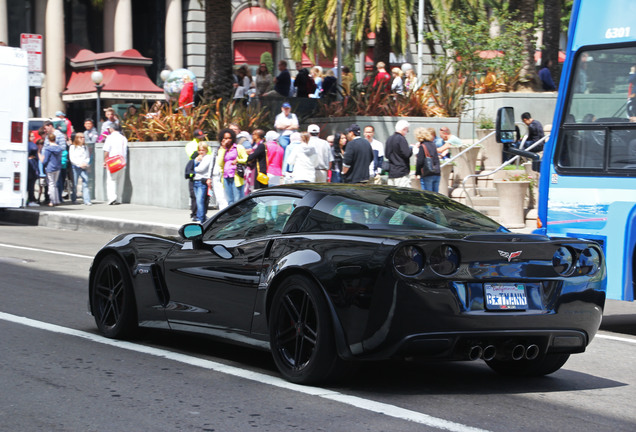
(224, 286)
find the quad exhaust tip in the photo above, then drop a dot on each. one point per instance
(489, 353)
(532, 352)
(516, 352)
(475, 352)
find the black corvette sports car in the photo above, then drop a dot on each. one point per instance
(324, 274)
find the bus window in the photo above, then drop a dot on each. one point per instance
(622, 152)
(582, 149)
(602, 80)
(599, 124)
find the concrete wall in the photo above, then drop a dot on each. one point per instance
(154, 174)
(540, 105)
(385, 126)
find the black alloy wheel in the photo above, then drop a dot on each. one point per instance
(301, 333)
(542, 365)
(112, 299)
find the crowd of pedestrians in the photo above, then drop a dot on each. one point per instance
(60, 159)
(247, 162)
(316, 82)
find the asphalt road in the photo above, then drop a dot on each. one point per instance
(57, 374)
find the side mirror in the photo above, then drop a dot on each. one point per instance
(505, 125)
(191, 231)
(194, 232)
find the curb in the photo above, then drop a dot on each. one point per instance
(61, 220)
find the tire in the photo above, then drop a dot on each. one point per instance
(301, 333)
(112, 299)
(543, 365)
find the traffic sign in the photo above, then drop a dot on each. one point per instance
(32, 44)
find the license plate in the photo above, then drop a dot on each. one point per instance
(505, 296)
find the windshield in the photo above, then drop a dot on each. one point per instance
(599, 131)
(402, 209)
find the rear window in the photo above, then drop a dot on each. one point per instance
(403, 210)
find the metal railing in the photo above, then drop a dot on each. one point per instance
(502, 166)
(467, 148)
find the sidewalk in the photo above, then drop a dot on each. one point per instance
(101, 217)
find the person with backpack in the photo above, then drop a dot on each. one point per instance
(304, 82)
(427, 167)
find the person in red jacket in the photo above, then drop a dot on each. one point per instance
(186, 97)
(382, 78)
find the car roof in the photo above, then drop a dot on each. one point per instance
(352, 191)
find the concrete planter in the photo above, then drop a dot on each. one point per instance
(512, 196)
(444, 179)
(154, 174)
(491, 152)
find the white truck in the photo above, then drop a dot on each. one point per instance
(14, 114)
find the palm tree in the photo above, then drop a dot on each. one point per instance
(218, 49)
(551, 32)
(523, 11)
(311, 24)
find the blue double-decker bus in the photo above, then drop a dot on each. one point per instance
(587, 186)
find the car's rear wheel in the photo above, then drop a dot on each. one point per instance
(543, 365)
(301, 333)
(112, 299)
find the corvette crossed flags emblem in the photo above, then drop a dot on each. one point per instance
(509, 255)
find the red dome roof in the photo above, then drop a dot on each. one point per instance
(256, 20)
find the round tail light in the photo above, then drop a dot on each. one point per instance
(563, 261)
(445, 260)
(589, 261)
(409, 260)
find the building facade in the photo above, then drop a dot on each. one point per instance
(170, 34)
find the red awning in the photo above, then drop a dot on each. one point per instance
(250, 51)
(256, 20)
(306, 61)
(323, 62)
(124, 76)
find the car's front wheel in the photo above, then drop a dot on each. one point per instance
(543, 365)
(301, 333)
(112, 299)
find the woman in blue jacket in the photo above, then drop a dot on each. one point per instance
(51, 158)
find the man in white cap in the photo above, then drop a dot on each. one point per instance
(116, 144)
(323, 152)
(285, 123)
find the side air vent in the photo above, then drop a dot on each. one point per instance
(160, 285)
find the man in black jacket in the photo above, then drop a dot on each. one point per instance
(282, 82)
(535, 131)
(357, 158)
(304, 83)
(398, 152)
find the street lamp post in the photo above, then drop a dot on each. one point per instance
(97, 78)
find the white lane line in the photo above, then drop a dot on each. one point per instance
(365, 404)
(615, 338)
(46, 251)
